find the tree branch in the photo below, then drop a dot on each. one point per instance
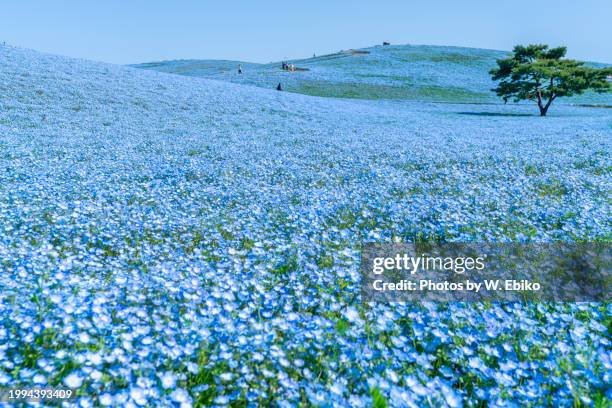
(552, 98)
(539, 94)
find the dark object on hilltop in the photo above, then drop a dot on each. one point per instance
(279, 87)
(240, 69)
(386, 43)
(292, 68)
(537, 73)
(288, 67)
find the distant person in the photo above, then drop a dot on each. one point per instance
(284, 66)
(279, 87)
(240, 68)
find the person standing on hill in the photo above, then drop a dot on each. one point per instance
(240, 68)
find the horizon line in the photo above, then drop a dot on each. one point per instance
(4, 43)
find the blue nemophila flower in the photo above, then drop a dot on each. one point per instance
(39, 379)
(168, 380)
(73, 380)
(106, 399)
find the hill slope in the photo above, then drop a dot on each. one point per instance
(406, 72)
(169, 240)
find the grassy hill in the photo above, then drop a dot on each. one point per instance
(402, 72)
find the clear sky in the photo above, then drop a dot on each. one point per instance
(130, 31)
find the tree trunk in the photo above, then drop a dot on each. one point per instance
(540, 105)
(544, 108)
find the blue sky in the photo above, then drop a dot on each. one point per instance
(131, 31)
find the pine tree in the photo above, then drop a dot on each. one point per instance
(540, 74)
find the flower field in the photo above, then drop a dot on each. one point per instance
(180, 241)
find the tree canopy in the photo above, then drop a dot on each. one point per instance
(538, 73)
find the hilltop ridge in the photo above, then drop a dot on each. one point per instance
(396, 72)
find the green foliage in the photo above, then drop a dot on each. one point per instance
(325, 261)
(378, 400)
(538, 73)
(403, 91)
